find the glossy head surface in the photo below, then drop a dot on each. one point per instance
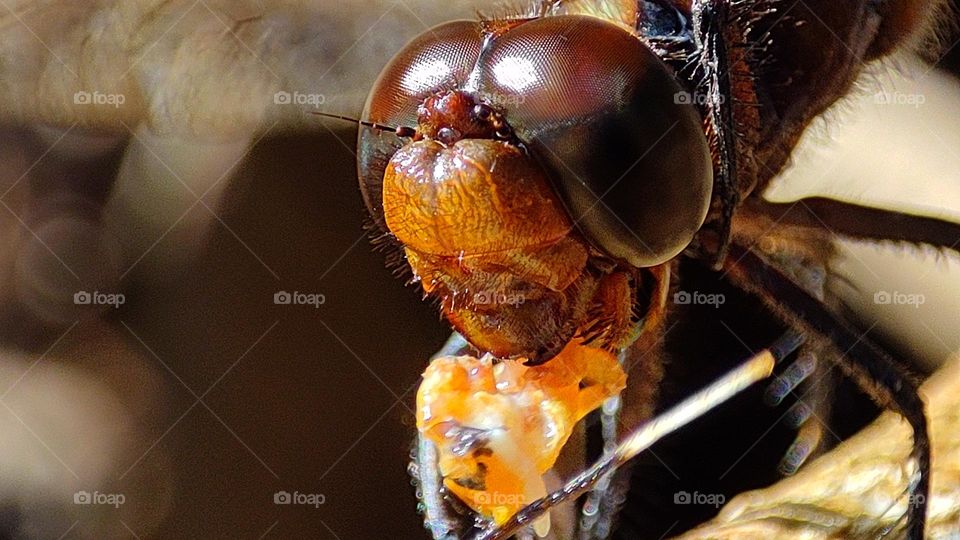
(623, 147)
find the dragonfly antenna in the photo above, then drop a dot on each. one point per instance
(401, 131)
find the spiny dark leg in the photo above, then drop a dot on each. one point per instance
(439, 517)
(714, 74)
(807, 414)
(866, 362)
(860, 222)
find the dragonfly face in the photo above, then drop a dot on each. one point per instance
(552, 160)
(563, 159)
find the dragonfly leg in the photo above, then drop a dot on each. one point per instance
(865, 362)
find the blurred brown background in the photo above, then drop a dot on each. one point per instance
(315, 400)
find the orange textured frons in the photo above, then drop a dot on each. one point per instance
(475, 196)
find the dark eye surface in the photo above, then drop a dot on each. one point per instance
(619, 136)
(440, 58)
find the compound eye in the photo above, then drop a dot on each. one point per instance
(482, 112)
(440, 58)
(448, 135)
(606, 117)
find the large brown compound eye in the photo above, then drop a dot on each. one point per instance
(439, 59)
(619, 136)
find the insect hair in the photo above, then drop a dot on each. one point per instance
(935, 36)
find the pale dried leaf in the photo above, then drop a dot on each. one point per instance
(857, 489)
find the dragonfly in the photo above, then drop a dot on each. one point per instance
(652, 127)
